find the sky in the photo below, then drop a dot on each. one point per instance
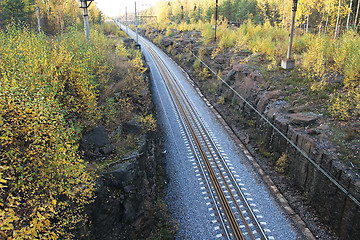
(114, 8)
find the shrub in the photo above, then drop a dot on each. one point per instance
(48, 93)
(197, 65)
(227, 39)
(347, 58)
(282, 163)
(148, 122)
(207, 33)
(339, 106)
(316, 62)
(110, 28)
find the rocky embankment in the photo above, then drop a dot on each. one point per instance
(312, 195)
(128, 193)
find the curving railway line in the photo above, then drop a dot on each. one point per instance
(234, 211)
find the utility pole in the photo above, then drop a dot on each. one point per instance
(289, 63)
(126, 22)
(136, 24)
(85, 6)
(216, 17)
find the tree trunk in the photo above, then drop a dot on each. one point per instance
(283, 20)
(307, 22)
(61, 25)
(348, 18)
(337, 20)
(322, 19)
(356, 16)
(327, 18)
(38, 17)
(74, 13)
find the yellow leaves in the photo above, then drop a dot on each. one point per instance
(2, 180)
(148, 122)
(40, 225)
(38, 146)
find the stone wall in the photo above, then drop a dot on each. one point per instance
(333, 206)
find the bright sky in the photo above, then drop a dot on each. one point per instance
(114, 8)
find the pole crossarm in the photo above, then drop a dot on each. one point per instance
(90, 1)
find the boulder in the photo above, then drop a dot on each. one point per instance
(297, 109)
(166, 41)
(265, 98)
(231, 76)
(303, 119)
(128, 43)
(241, 68)
(95, 138)
(131, 126)
(96, 143)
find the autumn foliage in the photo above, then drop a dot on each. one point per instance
(48, 94)
(325, 47)
(52, 90)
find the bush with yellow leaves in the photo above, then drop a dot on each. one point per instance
(48, 94)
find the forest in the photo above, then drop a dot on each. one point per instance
(48, 16)
(326, 42)
(312, 15)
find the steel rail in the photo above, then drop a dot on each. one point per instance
(217, 165)
(185, 126)
(226, 208)
(183, 100)
(232, 179)
(236, 231)
(238, 189)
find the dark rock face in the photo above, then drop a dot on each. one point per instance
(131, 126)
(96, 143)
(125, 197)
(97, 137)
(266, 98)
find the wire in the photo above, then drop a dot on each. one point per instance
(332, 179)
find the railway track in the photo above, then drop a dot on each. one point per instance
(235, 214)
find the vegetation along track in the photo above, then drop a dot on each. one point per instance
(236, 217)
